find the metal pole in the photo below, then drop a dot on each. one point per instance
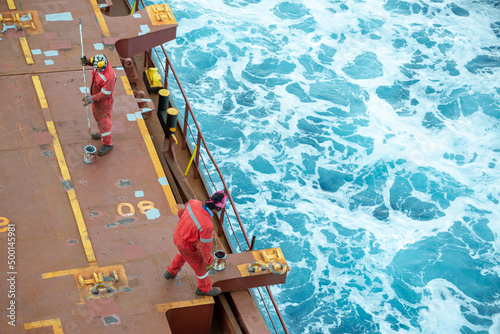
(85, 81)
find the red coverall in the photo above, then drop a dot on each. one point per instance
(101, 90)
(193, 237)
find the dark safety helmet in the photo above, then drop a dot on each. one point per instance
(217, 201)
(100, 62)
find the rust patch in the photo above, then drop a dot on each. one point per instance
(82, 181)
(94, 214)
(123, 183)
(124, 221)
(111, 320)
(71, 242)
(48, 154)
(67, 184)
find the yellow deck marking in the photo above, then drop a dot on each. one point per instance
(39, 91)
(85, 292)
(188, 303)
(61, 273)
(77, 212)
(152, 152)
(157, 164)
(26, 50)
(100, 18)
(82, 228)
(127, 86)
(58, 150)
(55, 323)
(11, 4)
(160, 14)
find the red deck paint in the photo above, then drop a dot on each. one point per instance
(60, 45)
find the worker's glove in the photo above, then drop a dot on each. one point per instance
(87, 100)
(211, 265)
(85, 61)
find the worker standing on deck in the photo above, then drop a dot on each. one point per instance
(101, 90)
(193, 237)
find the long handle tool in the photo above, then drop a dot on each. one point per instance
(85, 81)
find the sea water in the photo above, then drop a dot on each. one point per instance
(361, 137)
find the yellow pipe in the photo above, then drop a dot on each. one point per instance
(191, 160)
(133, 7)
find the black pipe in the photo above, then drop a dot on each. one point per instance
(163, 97)
(252, 244)
(171, 121)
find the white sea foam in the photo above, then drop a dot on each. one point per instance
(338, 251)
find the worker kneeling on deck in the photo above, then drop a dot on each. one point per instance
(101, 90)
(193, 237)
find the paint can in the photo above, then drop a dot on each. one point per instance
(220, 260)
(90, 154)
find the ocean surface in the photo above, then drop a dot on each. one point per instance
(361, 137)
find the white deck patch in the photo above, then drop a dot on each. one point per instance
(59, 17)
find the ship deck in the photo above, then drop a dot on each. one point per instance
(64, 222)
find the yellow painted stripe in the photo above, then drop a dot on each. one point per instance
(60, 273)
(89, 270)
(82, 228)
(157, 164)
(26, 50)
(100, 18)
(39, 91)
(11, 4)
(55, 323)
(58, 150)
(188, 303)
(77, 212)
(127, 86)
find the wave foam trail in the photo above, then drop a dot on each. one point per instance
(362, 137)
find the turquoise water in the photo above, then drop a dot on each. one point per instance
(362, 137)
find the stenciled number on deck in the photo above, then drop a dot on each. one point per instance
(142, 205)
(4, 222)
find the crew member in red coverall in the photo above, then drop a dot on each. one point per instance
(193, 237)
(101, 90)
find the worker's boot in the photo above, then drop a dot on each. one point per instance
(168, 275)
(104, 149)
(96, 136)
(212, 292)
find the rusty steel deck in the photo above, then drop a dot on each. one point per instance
(84, 246)
(63, 220)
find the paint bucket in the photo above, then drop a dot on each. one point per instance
(220, 260)
(90, 154)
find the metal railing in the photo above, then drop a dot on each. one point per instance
(199, 139)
